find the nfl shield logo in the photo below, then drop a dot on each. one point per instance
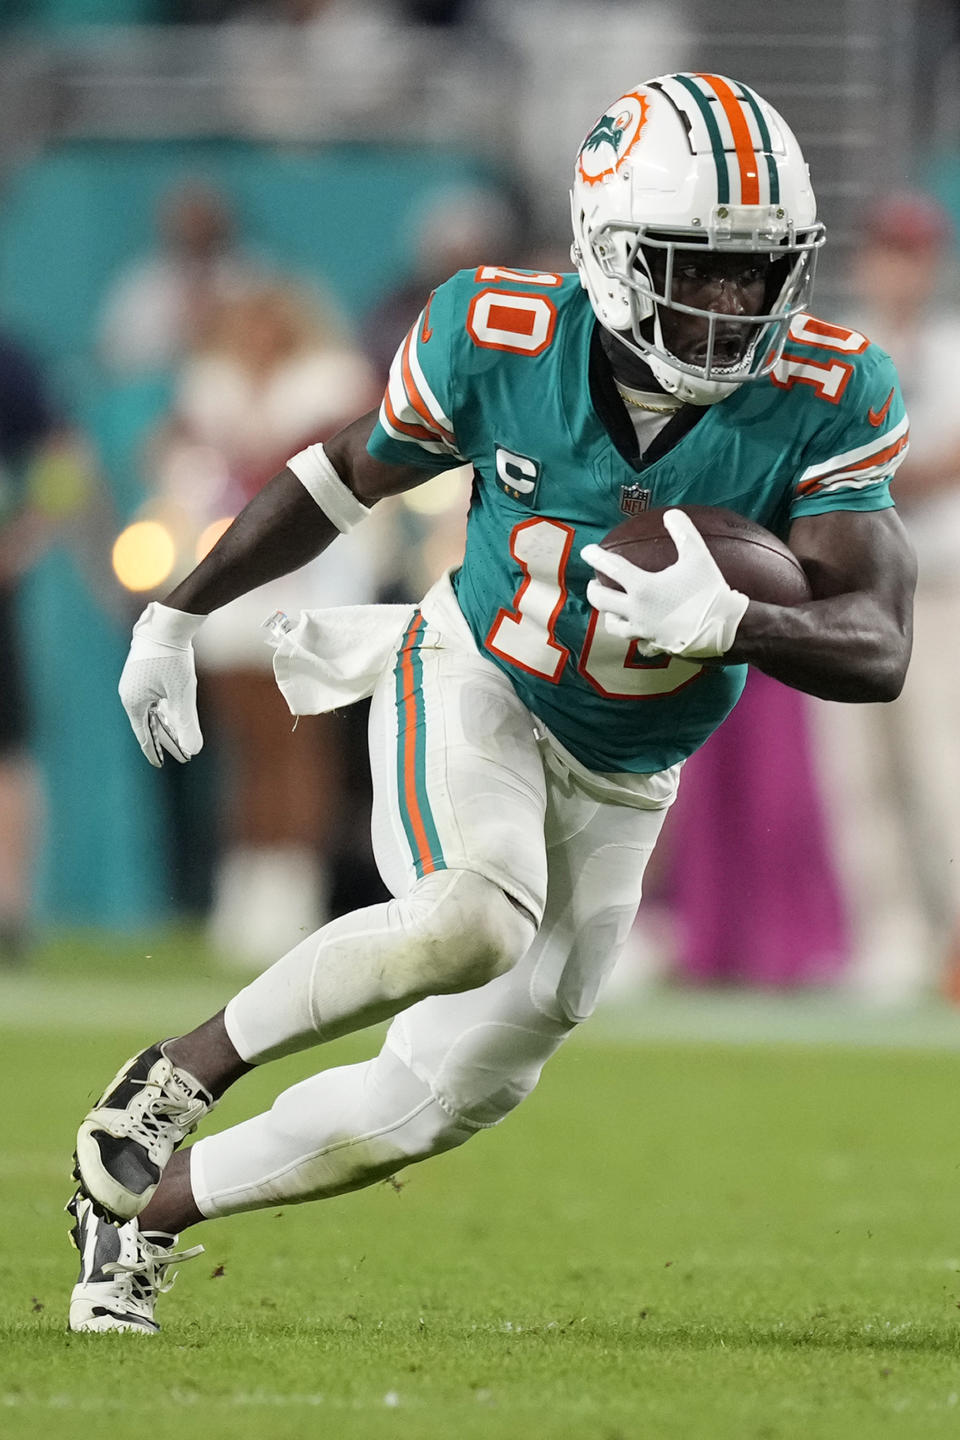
(633, 499)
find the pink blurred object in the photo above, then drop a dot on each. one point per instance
(750, 880)
(908, 220)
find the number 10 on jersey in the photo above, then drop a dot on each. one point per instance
(525, 636)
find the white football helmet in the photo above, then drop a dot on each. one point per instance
(681, 162)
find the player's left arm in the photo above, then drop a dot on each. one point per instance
(852, 640)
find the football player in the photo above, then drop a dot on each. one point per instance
(528, 721)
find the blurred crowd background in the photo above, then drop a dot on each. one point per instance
(217, 220)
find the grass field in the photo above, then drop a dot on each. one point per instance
(695, 1229)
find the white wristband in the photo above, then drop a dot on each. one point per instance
(167, 626)
(318, 477)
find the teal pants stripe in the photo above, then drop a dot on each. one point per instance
(416, 812)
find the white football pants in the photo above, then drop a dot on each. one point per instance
(472, 804)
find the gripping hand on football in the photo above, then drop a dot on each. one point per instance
(688, 609)
(158, 684)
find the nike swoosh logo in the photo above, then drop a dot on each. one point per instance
(877, 417)
(426, 331)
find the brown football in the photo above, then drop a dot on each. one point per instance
(751, 559)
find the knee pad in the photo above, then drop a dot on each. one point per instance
(465, 931)
(429, 1127)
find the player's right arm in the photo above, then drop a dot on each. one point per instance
(286, 524)
(322, 492)
(289, 523)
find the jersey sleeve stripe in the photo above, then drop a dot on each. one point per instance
(402, 430)
(885, 462)
(419, 387)
(868, 453)
(405, 414)
(836, 484)
(413, 394)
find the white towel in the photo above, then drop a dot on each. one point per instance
(326, 659)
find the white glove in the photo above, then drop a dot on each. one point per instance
(158, 684)
(687, 609)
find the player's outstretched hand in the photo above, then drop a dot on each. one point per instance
(688, 609)
(158, 684)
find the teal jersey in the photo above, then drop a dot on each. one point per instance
(497, 372)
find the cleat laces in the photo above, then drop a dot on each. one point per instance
(141, 1280)
(160, 1105)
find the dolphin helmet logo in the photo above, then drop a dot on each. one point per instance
(606, 132)
(612, 138)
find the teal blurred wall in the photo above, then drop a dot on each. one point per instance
(68, 222)
(59, 14)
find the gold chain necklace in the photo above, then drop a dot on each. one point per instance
(641, 405)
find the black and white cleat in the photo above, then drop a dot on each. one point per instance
(122, 1271)
(126, 1140)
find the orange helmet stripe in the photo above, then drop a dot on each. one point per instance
(746, 155)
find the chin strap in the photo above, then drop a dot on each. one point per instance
(690, 389)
